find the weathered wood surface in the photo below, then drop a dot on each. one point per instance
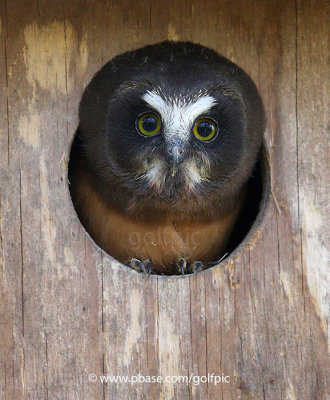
(67, 309)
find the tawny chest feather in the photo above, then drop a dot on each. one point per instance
(163, 244)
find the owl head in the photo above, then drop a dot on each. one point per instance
(171, 128)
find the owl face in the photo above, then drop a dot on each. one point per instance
(170, 143)
(172, 123)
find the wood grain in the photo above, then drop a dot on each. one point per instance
(67, 309)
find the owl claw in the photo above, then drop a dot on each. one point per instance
(139, 266)
(196, 267)
(182, 266)
(148, 266)
(193, 268)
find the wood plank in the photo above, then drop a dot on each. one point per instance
(313, 89)
(13, 380)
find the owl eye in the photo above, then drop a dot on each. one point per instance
(205, 129)
(148, 124)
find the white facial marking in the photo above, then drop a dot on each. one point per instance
(193, 175)
(156, 175)
(177, 115)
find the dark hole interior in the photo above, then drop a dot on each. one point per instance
(251, 208)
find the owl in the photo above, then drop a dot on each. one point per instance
(168, 136)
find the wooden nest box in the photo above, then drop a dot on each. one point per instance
(68, 310)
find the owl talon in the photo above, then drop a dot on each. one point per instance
(148, 267)
(193, 268)
(196, 266)
(136, 264)
(182, 266)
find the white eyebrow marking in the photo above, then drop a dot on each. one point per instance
(177, 114)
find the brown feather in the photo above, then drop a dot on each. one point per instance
(162, 243)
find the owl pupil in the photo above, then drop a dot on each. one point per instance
(149, 124)
(205, 129)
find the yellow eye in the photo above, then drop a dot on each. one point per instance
(148, 124)
(205, 129)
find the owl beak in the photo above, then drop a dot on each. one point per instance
(176, 154)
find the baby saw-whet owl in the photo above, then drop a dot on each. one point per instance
(167, 139)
